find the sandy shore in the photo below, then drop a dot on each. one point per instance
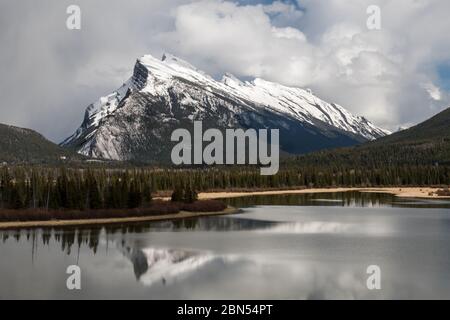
(88, 222)
(399, 192)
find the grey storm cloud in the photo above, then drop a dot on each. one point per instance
(49, 74)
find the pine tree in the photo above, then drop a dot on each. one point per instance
(178, 194)
(94, 199)
(134, 197)
(190, 196)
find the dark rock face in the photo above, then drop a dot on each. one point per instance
(140, 75)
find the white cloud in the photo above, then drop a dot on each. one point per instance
(242, 40)
(379, 74)
(49, 73)
(388, 75)
(433, 91)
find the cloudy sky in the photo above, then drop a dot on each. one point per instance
(396, 76)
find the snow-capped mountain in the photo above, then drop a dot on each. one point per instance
(135, 122)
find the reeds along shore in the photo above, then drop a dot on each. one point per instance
(155, 209)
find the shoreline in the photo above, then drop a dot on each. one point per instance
(405, 192)
(408, 192)
(107, 221)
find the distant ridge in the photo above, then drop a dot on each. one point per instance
(427, 143)
(19, 145)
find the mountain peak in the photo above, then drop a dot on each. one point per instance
(173, 60)
(164, 94)
(167, 59)
(169, 67)
(231, 80)
(170, 58)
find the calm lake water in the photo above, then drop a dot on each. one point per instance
(280, 247)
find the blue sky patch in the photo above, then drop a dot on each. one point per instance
(444, 76)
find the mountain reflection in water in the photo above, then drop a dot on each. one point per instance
(154, 264)
(317, 250)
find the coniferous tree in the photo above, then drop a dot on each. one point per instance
(190, 196)
(134, 197)
(178, 194)
(94, 199)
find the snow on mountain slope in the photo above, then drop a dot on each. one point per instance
(295, 102)
(164, 93)
(302, 105)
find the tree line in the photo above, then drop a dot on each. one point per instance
(60, 188)
(72, 189)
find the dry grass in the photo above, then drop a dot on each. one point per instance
(204, 206)
(157, 208)
(443, 192)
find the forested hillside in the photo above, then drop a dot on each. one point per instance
(427, 144)
(18, 145)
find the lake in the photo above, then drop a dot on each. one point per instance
(316, 246)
